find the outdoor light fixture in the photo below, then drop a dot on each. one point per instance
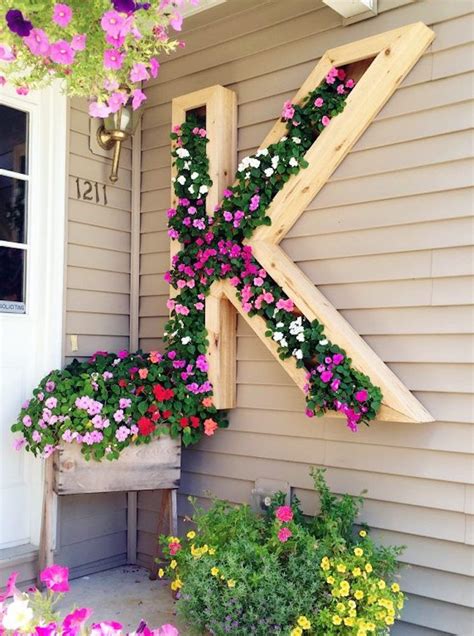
(117, 128)
(352, 8)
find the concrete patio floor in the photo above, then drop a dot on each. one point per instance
(126, 595)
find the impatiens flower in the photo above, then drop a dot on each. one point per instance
(62, 14)
(98, 109)
(325, 120)
(207, 402)
(138, 96)
(50, 386)
(56, 578)
(17, 23)
(326, 376)
(139, 73)
(19, 443)
(284, 534)
(37, 41)
(113, 59)
(318, 102)
(361, 396)
(146, 426)
(288, 111)
(209, 426)
(284, 513)
(78, 42)
(62, 53)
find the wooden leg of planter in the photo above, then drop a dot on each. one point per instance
(167, 523)
(46, 548)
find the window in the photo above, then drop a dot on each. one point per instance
(14, 179)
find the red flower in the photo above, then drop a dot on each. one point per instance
(123, 383)
(140, 389)
(183, 422)
(152, 408)
(194, 421)
(161, 394)
(166, 414)
(156, 416)
(145, 426)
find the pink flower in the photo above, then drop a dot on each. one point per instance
(3, 80)
(138, 97)
(113, 23)
(335, 384)
(97, 109)
(154, 67)
(143, 373)
(288, 111)
(361, 396)
(258, 281)
(337, 358)
(78, 42)
(350, 83)
(27, 421)
(318, 102)
(326, 376)
(284, 534)
(139, 73)
(116, 101)
(62, 53)
(341, 73)
(50, 386)
(6, 53)
(37, 42)
(51, 402)
(74, 621)
(106, 628)
(166, 630)
(113, 59)
(325, 120)
(19, 443)
(287, 305)
(62, 14)
(174, 547)
(209, 426)
(115, 41)
(176, 21)
(284, 513)
(22, 90)
(11, 588)
(56, 578)
(341, 90)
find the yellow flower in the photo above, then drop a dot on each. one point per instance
(368, 568)
(205, 548)
(304, 622)
(389, 620)
(358, 552)
(222, 577)
(352, 604)
(161, 573)
(361, 632)
(325, 563)
(212, 551)
(358, 594)
(231, 583)
(330, 580)
(349, 621)
(381, 584)
(336, 620)
(173, 564)
(340, 567)
(371, 627)
(363, 533)
(176, 584)
(395, 587)
(341, 608)
(297, 631)
(400, 604)
(352, 613)
(191, 534)
(214, 571)
(371, 599)
(356, 572)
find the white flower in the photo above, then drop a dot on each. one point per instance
(323, 342)
(182, 152)
(262, 153)
(297, 353)
(293, 162)
(254, 163)
(277, 336)
(296, 140)
(280, 324)
(182, 179)
(173, 179)
(186, 340)
(283, 342)
(203, 189)
(283, 138)
(194, 175)
(269, 172)
(275, 161)
(18, 616)
(187, 165)
(247, 175)
(300, 337)
(191, 189)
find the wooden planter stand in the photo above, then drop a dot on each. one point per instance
(154, 466)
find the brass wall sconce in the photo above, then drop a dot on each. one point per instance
(116, 129)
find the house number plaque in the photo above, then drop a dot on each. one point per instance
(91, 191)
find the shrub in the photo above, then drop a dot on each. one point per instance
(241, 573)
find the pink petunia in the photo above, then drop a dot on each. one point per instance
(62, 53)
(284, 513)
(106, 628)
(6, 53)
(97, 109)
(56, 578)
(139, 73)
(78, 42)
(62, 14)
(284, 534)
(113, 59)
(176, 21)
(116, 101)
(138, 96)
(113, 23)
(37, 41)
(74, 621)
(154, 67)
(19, 443)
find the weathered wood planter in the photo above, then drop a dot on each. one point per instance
(154, 466)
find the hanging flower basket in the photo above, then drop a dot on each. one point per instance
(99, 49)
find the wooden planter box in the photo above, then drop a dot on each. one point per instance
(154, 466)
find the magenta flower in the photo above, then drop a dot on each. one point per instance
(113, 59)
(284, 513)
(97, 109)
(62, 53)
(326, 376)
(78, 42)
(139, 73)
(11, 588)
(113, 23)
(284, 534)
(288, 111)
(50, 386)
(62, 14)
(166, 630)
(116, 101)
(106, 628)
(318, 102)
(37, 42)
(74, 621)
(138, 96)
(361, 396)
(337, 358)
(56, 578)
(47, 630)
(154, 67)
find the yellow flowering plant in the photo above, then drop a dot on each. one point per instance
(238, 572)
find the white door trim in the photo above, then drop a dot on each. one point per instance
(48, 188)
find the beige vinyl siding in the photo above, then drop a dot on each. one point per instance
(389, 241)
(92, 529)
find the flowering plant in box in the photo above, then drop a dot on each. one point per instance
(283, 573)
(101, 49)
(111, 401)
(33, 612)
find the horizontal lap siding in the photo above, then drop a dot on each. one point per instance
(92, 529)
(389, 241)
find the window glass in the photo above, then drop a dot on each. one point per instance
(12, 280)
(13, 139)
(12, 210)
